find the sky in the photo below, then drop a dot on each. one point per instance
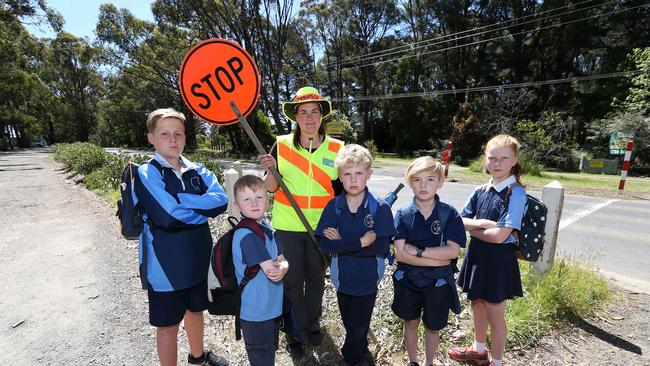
(81, 15)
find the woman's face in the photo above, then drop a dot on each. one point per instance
(308, 118)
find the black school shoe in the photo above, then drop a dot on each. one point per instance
(209, 358)
(296, 351)
(315, 338)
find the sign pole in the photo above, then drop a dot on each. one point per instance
(278, 178)
(626, 166)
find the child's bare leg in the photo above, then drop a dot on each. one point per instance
(411, 338)
(480, 320)
(496, 314)
(194, 331)
(431, 342)
(166, 344)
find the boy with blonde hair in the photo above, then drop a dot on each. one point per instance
(176, 197)
(428, 239)
(355, 229)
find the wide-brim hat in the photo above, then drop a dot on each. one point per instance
(304, 95)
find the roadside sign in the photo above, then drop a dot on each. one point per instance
(334, 128)
(214, 73)
(618, 142)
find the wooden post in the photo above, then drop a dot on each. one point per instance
(231, 176)
(553, 198)
(237, 166)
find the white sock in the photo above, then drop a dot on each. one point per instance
(497, 362)
(479, 347)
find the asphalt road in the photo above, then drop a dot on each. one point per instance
(611, 235)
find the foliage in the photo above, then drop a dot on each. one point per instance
(547, 141)
(81, 157)
(370, 145)
(570, 290)
(349, 134)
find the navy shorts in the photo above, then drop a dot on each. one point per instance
(168, 308)
(433, 305)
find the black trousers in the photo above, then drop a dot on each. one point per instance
(305, 281)
(356, 312)
(261, 340)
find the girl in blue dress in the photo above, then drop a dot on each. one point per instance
(490, 273)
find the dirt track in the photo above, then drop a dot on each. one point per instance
(71, 295)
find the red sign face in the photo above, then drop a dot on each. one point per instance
(214, 73)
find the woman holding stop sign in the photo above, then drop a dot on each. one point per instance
(305, 159)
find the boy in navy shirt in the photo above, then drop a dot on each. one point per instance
(429, 236)
(261, 300)
(176, 197)
(355, 228)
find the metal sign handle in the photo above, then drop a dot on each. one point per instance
(278, 178)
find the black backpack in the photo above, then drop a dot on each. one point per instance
(530, 239)
(128, 211)
(224, 294)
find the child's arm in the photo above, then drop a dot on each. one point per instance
(283, 264)
(160, 206)
(331, 242)
(213, 202)
(273, 270)
(473, 224)
(401, 255)
(496, 235)
(444, 253)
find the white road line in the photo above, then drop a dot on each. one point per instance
(584, 213)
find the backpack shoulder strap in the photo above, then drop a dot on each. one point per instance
(443, 214)
(373, 204)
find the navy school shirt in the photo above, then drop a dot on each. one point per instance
(488, 202)
(355, 270)
(423, 234)
(176, 239)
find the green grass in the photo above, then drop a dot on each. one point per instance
(571, 181)
(569, 290)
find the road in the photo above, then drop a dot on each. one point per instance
(611, 235)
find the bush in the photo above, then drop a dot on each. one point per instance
(207, 160)
(568, 291)
(370, 145)
(531, 167)
(81, 157)
(477, 165)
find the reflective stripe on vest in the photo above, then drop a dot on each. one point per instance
(309, 178)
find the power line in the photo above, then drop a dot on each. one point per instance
(489, 88)
(455, 36)
(490, 39)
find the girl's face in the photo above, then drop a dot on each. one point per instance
(425, 185)
(499, 161)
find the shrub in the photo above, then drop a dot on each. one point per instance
(81, 157)
(205, 159)
(568, 291)
(370, 145)
(530, 166)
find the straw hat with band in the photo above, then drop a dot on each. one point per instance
(304, 95)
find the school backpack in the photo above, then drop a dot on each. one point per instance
(224, 294)
(530, 239)
(128, 211)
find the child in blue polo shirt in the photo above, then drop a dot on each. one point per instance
(176, 197)
(355, 228)
(428, 240)
(261, 300)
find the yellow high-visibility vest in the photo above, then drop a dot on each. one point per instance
(308, 177)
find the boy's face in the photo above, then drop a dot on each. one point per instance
(425, 185)
(168, 138)
(355, 178)
(499, 161)
(252, 203)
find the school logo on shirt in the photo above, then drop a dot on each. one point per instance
(435, 227)
(369, 221)
(500, 205)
